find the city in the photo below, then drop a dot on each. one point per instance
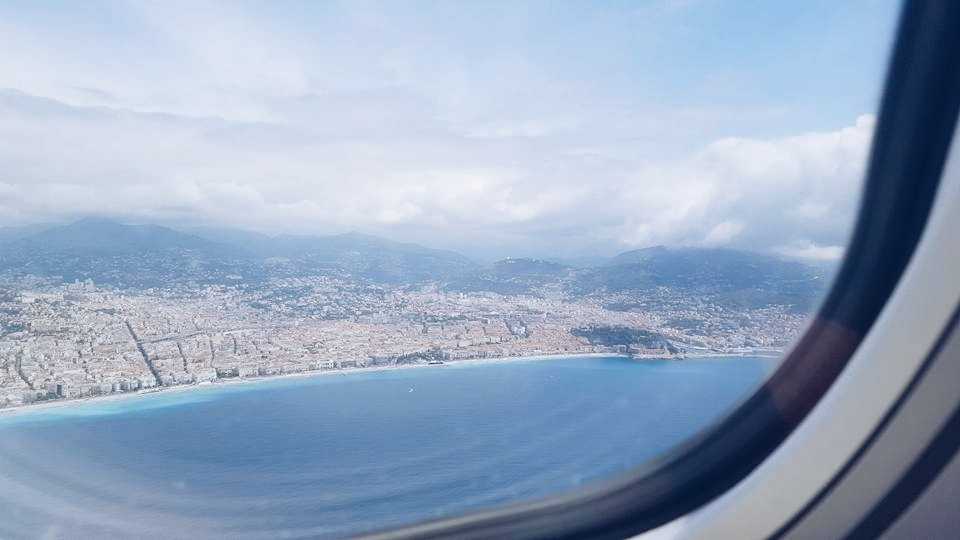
(79, 340)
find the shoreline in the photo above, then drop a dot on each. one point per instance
(180, 388)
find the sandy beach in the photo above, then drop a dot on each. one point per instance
(69, 403)
(167, 390)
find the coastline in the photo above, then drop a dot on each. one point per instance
(182, 388)
(166, 390)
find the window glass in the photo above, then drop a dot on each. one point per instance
(315, 269)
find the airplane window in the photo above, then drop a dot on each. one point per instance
(317, 270)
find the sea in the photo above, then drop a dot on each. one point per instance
(339, 454)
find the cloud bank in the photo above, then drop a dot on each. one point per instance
(428, 127)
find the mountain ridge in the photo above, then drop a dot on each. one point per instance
(114, 253)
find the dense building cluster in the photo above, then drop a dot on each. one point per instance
(69, 341)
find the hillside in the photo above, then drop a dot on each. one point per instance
(512, 276)
(725, 275)
(364, 256)
(123, 255)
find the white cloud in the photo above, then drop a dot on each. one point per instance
(723, 233)
(471, 136)
(812, 252)
(64, 161)
(751, 193)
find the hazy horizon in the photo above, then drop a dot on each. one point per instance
(581, 259)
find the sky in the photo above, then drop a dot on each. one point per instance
(547, 129)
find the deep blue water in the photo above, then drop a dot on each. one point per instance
(343, 453)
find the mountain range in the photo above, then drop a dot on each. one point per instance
(139, 256)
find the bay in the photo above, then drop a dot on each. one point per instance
(339, 454)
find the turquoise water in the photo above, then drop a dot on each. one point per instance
(338, 454)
